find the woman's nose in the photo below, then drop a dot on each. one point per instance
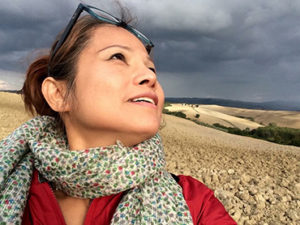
(145, 76)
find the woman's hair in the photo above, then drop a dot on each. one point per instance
(62, 66)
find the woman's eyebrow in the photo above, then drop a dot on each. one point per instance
(115, 46)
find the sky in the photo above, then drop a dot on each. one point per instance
(245, 50)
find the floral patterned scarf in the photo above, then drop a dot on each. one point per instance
(152, 195)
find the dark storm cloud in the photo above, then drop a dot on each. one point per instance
(246, 50)
(253, 55)
(26, 24)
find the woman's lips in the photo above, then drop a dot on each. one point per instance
(148, 97)
(147, 104)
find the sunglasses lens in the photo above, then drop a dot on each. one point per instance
(142, 37)
(102, 15)
(106, 17)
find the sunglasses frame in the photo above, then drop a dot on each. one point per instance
(116, 21)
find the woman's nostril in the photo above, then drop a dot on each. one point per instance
(143, 82)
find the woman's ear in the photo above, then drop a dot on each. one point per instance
(54, 92)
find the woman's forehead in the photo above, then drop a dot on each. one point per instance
(109, 35)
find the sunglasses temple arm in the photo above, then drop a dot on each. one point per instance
(68, 28)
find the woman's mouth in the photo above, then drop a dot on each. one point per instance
(144, 102)
(143, 99)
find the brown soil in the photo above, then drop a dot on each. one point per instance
(257, 181)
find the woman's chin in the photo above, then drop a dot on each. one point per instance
(148, 129)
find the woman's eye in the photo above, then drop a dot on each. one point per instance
(118, 56)
(152, 69)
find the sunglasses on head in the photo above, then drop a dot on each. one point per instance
(104, 17)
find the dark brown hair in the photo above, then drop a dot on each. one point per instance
(62, 66)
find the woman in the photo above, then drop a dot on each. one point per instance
(93, 155)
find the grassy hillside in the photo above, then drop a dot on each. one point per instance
(12, 113)
(229, 120)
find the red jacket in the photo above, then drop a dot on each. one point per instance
(42, 206)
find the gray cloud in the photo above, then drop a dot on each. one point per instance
(247, 50)
(3, 85)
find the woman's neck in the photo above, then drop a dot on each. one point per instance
(73, 209)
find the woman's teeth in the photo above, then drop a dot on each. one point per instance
(144, 99)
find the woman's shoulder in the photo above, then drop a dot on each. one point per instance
(192, 184)
(194, 190)
(205, 208)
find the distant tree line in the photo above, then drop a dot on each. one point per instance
(174, 113)
(272, 133)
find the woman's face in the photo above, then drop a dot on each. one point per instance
(117, 93)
